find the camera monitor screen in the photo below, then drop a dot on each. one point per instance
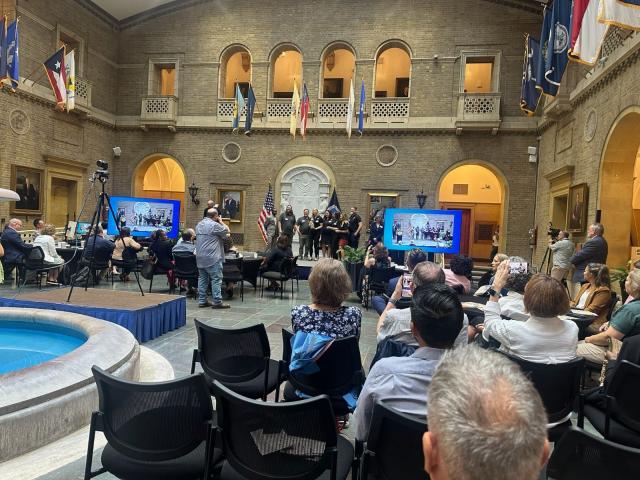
(145, 215)
(436, 231)
(82, 228)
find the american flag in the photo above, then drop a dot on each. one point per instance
(267, 208)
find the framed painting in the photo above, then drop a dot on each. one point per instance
(28, 183)
(231, 204)
(332, 88)
(577, 208)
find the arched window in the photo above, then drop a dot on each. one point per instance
(393, 71)
(235, 68)
(338, 68)
(286, 66)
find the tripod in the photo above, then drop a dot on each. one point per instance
(103, 200)
(548, 255)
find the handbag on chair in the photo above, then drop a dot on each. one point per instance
(148, 268)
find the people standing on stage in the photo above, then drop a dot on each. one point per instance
(317, 221)
(271, 227)
(210, 257)
(495, 242)
(562, 249)
(376, 231)
(287, 222)
(355, 227)
(209, 206)
(304, 227)
(326, 235)
(342, 235)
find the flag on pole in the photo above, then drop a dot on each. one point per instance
(56, 73)
(295, 110)
(304, 111)
(530, 95)
(238, 105)
(251, 106)
(70, 64)
(587, 33)
(350, 105)
(541, 82)
(334, 204)
(12, 52)
(267, 208)
(3, 47)
(361, 111)
(558, 45)
(624, 14)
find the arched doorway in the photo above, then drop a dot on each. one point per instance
(619, 198)
(479, 191)
(160, 176)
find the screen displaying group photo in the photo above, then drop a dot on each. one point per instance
(435, 231)
(145, 215)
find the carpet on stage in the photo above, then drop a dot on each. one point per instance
(145, 317)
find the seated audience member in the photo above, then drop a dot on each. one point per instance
(38, 225)
(458, 275)
(330, 285)
(377, 257)
(487, 279)
(486, 420)
(106, 236)
(124, 240)
(15, 249)
(1, 267)
(635, 266)
(47, 242)
(161, 248)
(595, 295)
(273, 260)
(102, 249)
(401, 382)
(414, 257)
(396, 324)
(543, 337)
(624, 323)
(187, 242)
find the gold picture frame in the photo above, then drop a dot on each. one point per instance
(28, 182)
(231, 203)
(578, 204)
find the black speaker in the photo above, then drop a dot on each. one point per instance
(598, 215)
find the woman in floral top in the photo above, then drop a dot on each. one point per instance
(330, 285)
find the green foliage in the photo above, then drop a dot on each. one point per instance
(354, 255)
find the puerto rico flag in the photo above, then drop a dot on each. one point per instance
(57, 75)
(304, 111)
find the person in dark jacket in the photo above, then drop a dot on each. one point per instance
(594, 250)
(100, 248)
(15, 250)
(273, 260)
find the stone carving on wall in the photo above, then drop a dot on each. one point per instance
(386, 155)
(19, 122)
(590, 126)
(231, 152)
(303, 187)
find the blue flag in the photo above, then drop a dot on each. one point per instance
(251, 105)
(361, 111)
(557, 55)
(238, 105)
(530, 95)
(13, 60)
(630, 2)
(334, 204)
(3, 47)
(541, 82)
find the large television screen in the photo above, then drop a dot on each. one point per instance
(436, 231)
(145, 215)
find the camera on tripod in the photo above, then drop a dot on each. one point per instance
(102, 172)
(553, 232)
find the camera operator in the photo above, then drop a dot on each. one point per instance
(562, 249)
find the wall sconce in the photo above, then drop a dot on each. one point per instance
(246, 61)
(331, 61)
(193, 191)
(421, 198)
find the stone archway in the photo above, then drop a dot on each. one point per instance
(305, 186)
(160, 176)
(616, 182)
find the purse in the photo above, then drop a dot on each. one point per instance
(148, 268)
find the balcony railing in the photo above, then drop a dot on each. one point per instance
(390, 110)
(479, 111)
(83, 92)
(278, 109)
(225, 109)
(332, 110)
(159, 110)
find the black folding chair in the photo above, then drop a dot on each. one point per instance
(266, 440)
(185, 267)
(377, 280)
(582, 456)
(239, 358)
(153, 430)
(232, 272)
(34, 262)
(620, 419)
(558, 385)
(340, 372)
(128, 264)
(392, 436)
(283, 276)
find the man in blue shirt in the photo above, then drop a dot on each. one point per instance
(210, 257)
(401, 382)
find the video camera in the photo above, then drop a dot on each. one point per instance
(102, 172)
(553, 232)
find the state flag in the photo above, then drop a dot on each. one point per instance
(361, 110)
(304, 111)
(70, 64)
(238, 106)
(56, 73)
(3, 47)
(541, 82)
(556, 58)
(350, 105)
(13, 57)
(295, 110)
(587, 33)
(623, 14)
(530, 95)
(251, 107)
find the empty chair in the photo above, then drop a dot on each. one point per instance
(232, 273)
(558, 385)
(392, 436)
(185, 268)
(266, 440)
(582, 456)
(153, 430)
(238, 358)
(377, 280)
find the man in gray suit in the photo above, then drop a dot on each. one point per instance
(594, 250)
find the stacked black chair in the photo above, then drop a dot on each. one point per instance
(284, 275)
(153, 430)
(558, 385)
(619, 421)
(232, 272)
(393, 436)
(266, 440)
(581, 456)
(340, 372)
(238, 358)
(377, 281)
(185, 267)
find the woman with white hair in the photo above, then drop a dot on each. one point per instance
(625, 323)
(51, 258)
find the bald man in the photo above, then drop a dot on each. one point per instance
(15, 250)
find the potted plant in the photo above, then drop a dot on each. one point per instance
(620, 275)
(353, 261)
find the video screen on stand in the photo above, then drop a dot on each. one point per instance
(145, 215)
(435, 231)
